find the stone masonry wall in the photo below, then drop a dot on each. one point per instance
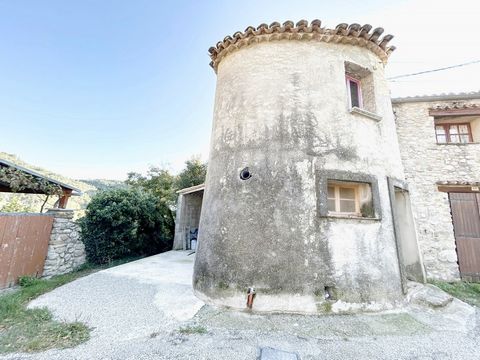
(425, 163)
(65, 250)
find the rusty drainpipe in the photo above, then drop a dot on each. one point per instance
(250, 296)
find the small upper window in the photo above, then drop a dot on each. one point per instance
(453, 133)
(360, 88)
(350, 199)
(354, 92)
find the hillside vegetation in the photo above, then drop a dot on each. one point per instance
(32, 202)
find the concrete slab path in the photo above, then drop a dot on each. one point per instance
(129, 300)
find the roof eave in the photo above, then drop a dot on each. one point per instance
(75, 191)
(438, 97)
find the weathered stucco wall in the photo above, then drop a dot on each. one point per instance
(65, 250)
(281, 110)
(426, 163)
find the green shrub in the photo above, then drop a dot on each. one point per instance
(125, 222)
(25, 281)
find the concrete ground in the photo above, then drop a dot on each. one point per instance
(146, 310)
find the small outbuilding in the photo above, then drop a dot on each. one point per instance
(189, 206)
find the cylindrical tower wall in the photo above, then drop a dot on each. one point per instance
(282, 111)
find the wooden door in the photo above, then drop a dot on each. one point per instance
(466, 223)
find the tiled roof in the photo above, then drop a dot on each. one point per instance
(354, 34)
(456, 106)
(438, 97)
(459, 183)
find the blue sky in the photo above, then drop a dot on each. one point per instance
(95, 89)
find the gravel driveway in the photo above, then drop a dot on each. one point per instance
(146, 310)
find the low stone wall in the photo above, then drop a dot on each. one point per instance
(65, 250)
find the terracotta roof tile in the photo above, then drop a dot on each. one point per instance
(354, 34)
(459, 183)
(438, 97)
(456, 106)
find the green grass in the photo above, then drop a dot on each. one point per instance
(465, 291)
(188, 330)
(30, 330)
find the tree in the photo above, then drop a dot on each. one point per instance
(164, 185)
(125, 222)
(193, 174)
(15, 205)
(158, 181)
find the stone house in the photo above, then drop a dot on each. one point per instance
(439, 138)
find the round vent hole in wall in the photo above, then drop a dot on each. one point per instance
(245, 174)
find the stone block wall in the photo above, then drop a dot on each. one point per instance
(426, 163)
(65, 250)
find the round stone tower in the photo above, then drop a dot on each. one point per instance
(303, 153)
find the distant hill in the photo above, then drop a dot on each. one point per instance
(33, 202)
(104, 184)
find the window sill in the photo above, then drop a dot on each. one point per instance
(461, 144)
(350, 217)
(363, 112)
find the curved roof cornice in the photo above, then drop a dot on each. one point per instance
(353, 34)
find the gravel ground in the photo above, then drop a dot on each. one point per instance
(146, 310)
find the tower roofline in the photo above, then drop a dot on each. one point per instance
(353, 34)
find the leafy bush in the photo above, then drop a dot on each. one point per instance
(25, 281)
(125, 222)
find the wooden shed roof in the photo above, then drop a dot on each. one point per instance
(65, 187)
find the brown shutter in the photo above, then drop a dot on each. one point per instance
(466, 222)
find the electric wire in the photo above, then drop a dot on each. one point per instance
(393, 78)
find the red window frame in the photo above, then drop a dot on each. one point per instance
(446, 129)
(350, 79)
